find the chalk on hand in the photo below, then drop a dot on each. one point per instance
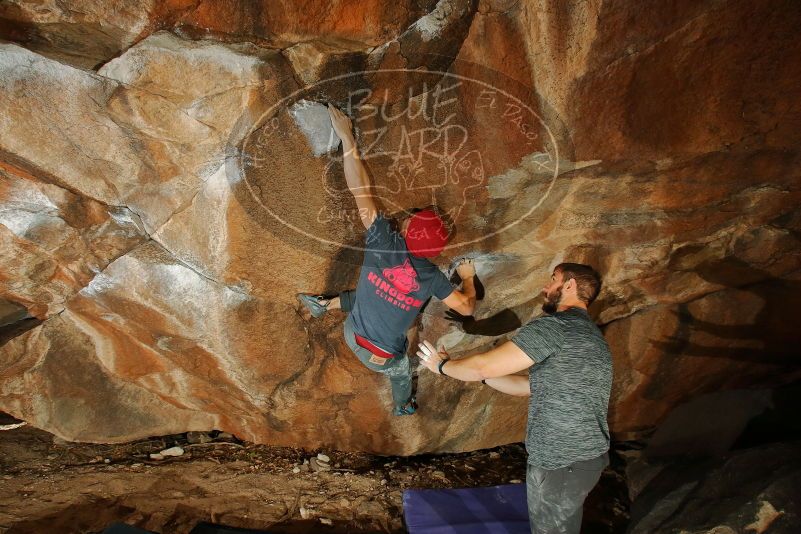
(458, 261)
(423, 351)
(428, 348)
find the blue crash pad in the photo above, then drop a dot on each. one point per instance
(495, 509)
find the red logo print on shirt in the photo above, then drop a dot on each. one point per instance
(403, 277)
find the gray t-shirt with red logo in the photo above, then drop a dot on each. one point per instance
(393, 286)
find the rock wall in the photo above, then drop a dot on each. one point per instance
(168, 187)
(747, 490)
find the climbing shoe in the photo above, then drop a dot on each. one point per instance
(316, 304)
(407, 409)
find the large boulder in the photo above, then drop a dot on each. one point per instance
(159, 214)
(55, 241)
(753, 490)
(87, 33)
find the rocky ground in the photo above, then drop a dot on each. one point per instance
(49, 485)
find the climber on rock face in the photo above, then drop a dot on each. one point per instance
(396, 279)
(568, 384)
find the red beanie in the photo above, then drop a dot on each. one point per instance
(426, 234)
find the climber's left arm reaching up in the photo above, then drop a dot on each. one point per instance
(355, 172)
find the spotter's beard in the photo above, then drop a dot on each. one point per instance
(552, 301)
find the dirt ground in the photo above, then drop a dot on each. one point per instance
(48, 485)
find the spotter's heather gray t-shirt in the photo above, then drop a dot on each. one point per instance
(393, 286)
(570, 381)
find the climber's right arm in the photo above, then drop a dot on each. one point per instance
(355, 172)
(464, 301)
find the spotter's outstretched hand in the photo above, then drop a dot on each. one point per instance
(430, 356)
